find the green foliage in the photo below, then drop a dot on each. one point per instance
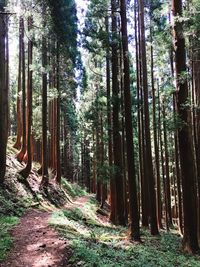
(73, 190)
(6, 224)
(64, 21)
(95, 243)
(10, 205)
(95, 35)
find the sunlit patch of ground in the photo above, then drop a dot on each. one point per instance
(97, 243)
(36, 244)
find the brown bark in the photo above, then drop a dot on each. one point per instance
(167, 178)
(3, 94)
(148, 158)
(58, 166)
(132, 187)
(94, 182)
(156, 144)
(196, 119)
(22, 152)
(98, 158)
(162, 160)
(190, 240)
(45, 178)
(26, 171)
(17, 144)
(117, 153)
(103, 183)
(109, 122)
(143, 168)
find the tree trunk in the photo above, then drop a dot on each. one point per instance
(190, 240)
(156, 145)
(118, 176)
(45, 179)
(17, 144)
(148, 158)
(3, 94)
(58, 166)
(26, 171)
(132, 187)
(109, 122)
(20, 155)
(167, 178)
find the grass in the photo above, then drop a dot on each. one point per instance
(74, 190)
(98, 244)
(6, 241)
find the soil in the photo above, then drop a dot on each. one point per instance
(36, 244)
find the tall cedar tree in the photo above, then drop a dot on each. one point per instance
(28, 156)
(17, 144)
(44, 106)
(109, 122)
(190, 240)
(58, 166)
(20, 155)
(132, 188)
(117, 148)
(148, 159)
(3, 92)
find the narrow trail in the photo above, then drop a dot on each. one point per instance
(36, 244)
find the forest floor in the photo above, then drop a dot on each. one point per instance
(65, 227)
(80, 234)
(36, 244)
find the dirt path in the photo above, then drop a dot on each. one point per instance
(36, 244)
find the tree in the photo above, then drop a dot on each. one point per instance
(17, 144)
(133, 204)
(20, 155)
(148, 153)
(44, 106)
(117, 149)
(190, 241)
(26, 171)
(3, 91)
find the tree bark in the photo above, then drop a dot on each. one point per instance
(167, 178)
(22, 152)
(148, 158)
(156, 143)
(117, 148)
(17, 144)
(132, 186)
(190, 240)
(3, 94)
(58, 166)
(109, 122)
(26, 171)
(45, 179)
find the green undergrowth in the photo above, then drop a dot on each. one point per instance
(74, 190)
(6, 224)
(11, 204)
(98, 244)
(17, 194)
